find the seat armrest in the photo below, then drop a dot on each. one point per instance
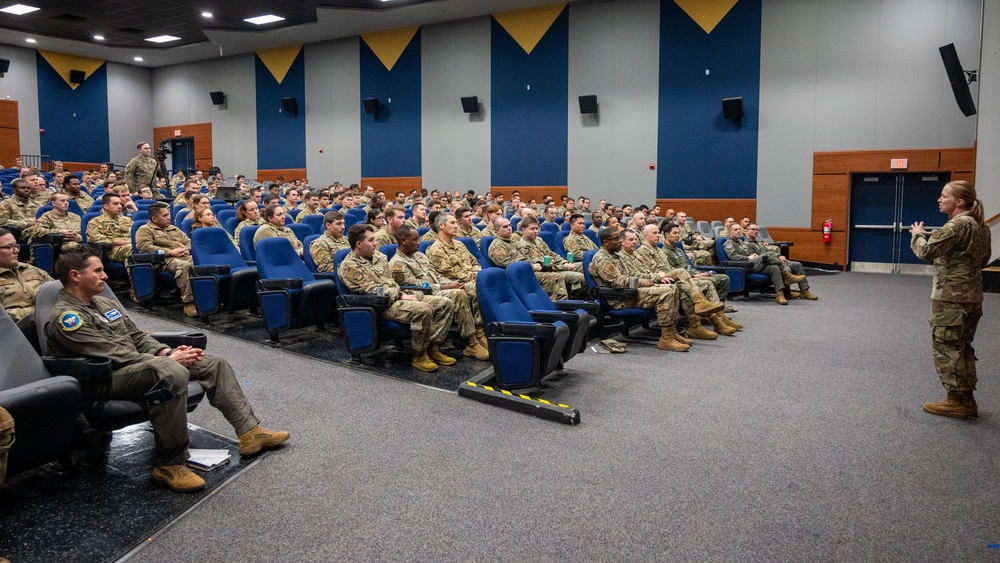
(514, 328)
(175, 339)
(281, 283)
(421, 289)
(572, 305)
(83, 369)
(615, 293)
(54, 239)
(743, 264)
(567, 317)
(378, 302)
(208, 270)
(332, 276)
(102, 247)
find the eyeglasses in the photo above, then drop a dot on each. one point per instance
(11, 247)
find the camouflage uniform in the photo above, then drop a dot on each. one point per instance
(762, 264)
(489, 231)
(610, 270)
(268, 230)
(323, 248)
(150, 238)
(474, 233)
(18, 288)
(105, 229)
(454, 261)
(306, 212)
(100, 329)
(429, 235)
(578, 244)
(960, 250)
(413, 223)
(51, 222)
(676, 259)
(573, 283)
(81, 199)
(140, 171)
(649, 259)
(244, 223)
(382, 237)
(758, 247)
(17, 212)
(410, 270)
(504, 251)
(699, 248)
(429, 317)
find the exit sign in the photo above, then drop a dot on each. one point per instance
(898, 164)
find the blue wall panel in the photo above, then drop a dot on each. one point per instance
(529, 127)
(281, 136)
(75, 121)
(390, 140)
(701, 154)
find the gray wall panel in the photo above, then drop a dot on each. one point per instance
(333, 101)
(614, 54)
(21, 84)
(180, 96)
(130, 93)
(455, 146)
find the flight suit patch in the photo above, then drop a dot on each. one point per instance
(70, 321)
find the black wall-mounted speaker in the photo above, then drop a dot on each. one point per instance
(956, 75)
(470, 104)
(290, 105)
(218, 98)
(371, 105)
(4, 66)
(77, 76)
(732, 108)
(588, 104)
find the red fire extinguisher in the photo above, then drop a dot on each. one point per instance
(827, 229)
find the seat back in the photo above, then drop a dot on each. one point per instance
(592, 236)
(422, 247)
(276, 258)
(230, 224)
(587, 257)
(135, 227)
(181, 215)
(315, 222)
(223, 215)
(705, 229)
(84, 221)
(301, 230)
(389, 250)
(719, 231)
(338, 257)
(497, 300)
(549, 228)
(306, 256)
(358, 214)
(720, 251)
(514, 222)
(525, 285)
(246, 242)
(550, 240)
(484, 247)
(211, 246)
(186, 225)
(716, 224)
(293, 213)
(19, 363)
(470, 244)
(43, 209)
(559, 247)
(763, 235)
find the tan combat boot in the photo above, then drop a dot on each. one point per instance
(480, 337)
(970, 404)
(780, 298)
(667, 341)
(476, 350)
(721, 326)
(731, 322)
(439, 357)
(703, 306)
(953, 406)
(177, 478)
(696, 330)
(190, 310)
(681, 338)
(806, 294)
(790, 278)
(259, 438)
(422, 362)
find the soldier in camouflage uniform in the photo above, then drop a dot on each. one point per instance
(274, 226)
(960, 250)
(699, 248)
(465, 226)
(310, 207)
(451, 260)
(248, 214)
(142, 170)
(576, 242)
(18, 211)
(159, 234)
(395, 216)
(365, 268)
(19, 282)
(698, 296)
(505, 250)
(608, 269)
(760, 247)
(761, 263)
(57, 221)
(71, 187)
(411, 267)
(418, 215)
(676, 259)
(113, 228)
(323, 248)
(571, 283)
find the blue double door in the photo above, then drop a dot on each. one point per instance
(883, 206)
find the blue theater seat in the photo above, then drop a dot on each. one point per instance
(288, 294)
(364, 328)
(222, 280)
(613, 320)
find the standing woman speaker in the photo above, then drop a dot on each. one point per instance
(959, 250)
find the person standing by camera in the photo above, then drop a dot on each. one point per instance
(142, 170)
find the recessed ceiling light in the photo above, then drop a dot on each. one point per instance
(137, 59)
(261, 20)
(19, 9)
(162, 39)
(30, 40)
(206, 14)
(99, 38)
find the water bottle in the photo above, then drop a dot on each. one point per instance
(546, 261)
(426, 281)
(569, 256)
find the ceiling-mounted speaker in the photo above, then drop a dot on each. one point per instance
(959, 83)
(77, 76)
(470, 104)
(371, 106)
(290, 105)
(588, 104)
(732, 108)
(218, 98)
(4, 66)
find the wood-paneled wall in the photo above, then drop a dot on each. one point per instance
(712, 209)
(288, 174)
(10, 137)
(392, 184)
(831, 192)
(528, 192)
(200, 132)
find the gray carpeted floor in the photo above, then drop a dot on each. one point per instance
(800, 439)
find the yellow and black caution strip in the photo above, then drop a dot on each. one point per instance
(484, 392)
